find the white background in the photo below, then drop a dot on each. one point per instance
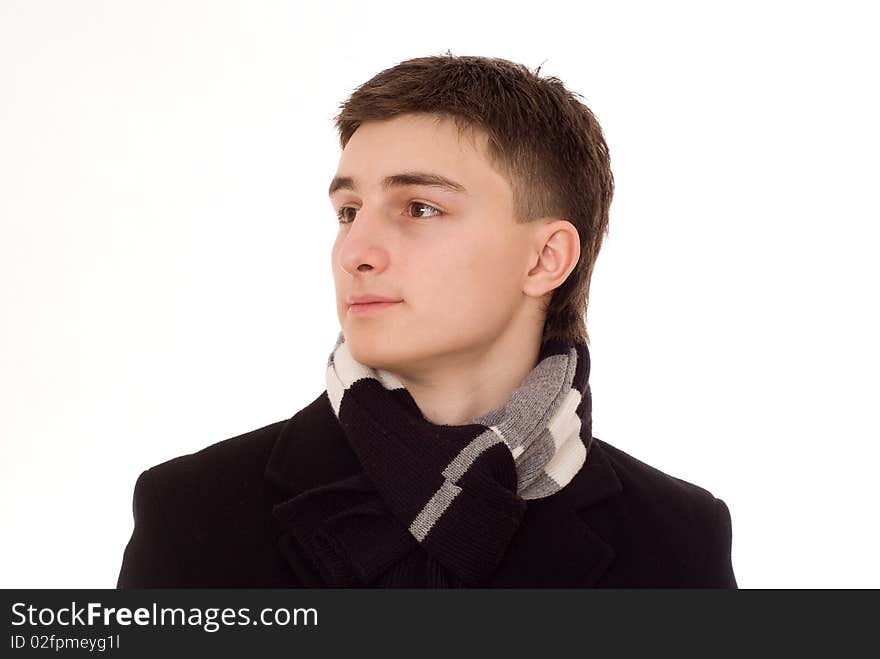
(165, 243)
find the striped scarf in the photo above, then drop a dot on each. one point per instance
(437, 505)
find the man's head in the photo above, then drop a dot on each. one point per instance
(506, 246)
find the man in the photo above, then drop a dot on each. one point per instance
(453, 445)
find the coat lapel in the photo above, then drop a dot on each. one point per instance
(311, 450)
(554, 546)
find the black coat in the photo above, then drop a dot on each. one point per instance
(204, 520)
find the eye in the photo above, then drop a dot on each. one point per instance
(419, 204)
(345, 217)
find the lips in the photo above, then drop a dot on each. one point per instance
(370, 308)
(370, 299)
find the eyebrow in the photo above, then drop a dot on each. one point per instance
(400, 180)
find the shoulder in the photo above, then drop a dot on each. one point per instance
(223, 481)
(236, 467)
(642, 481)
(195, 513)
(219, 464)
(672, 526)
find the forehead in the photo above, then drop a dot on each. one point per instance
(416, 142)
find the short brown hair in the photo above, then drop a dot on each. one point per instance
(546, 142)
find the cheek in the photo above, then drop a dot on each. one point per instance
(469, 283)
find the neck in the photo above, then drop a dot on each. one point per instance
(469, 385)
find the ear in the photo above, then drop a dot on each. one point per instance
(557, 250)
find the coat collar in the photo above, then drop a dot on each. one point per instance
(554, 546)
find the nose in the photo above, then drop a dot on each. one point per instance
(363, 246)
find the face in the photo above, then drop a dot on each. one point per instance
(453, 258)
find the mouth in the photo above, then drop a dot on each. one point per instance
(370, 307)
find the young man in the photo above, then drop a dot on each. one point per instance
(452, 446)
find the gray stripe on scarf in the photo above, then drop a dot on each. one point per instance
(530, 407)
(434, 509)
(438, 503)
(542, 486)
(469, 454)
(530, 465)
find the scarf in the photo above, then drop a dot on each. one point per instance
(437, 505)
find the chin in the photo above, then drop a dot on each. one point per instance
(375, 349)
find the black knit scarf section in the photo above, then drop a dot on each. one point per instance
(364, 530)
